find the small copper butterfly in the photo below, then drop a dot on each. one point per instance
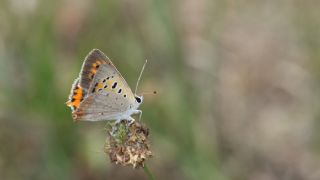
(101, 93)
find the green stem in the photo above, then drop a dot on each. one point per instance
(148, 172)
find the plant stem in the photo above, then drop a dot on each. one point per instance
(148, 172)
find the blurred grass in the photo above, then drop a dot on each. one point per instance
(42, 47)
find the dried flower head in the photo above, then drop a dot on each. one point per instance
(127, 144)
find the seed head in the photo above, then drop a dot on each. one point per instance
(128, 144)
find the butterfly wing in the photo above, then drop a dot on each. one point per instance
(109, 96)
(90, 67)
(76, 95)
(81, 85)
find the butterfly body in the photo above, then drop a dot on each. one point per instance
(101, 93)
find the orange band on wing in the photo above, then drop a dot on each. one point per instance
(76, 98)
(79, 113)
(94, 68)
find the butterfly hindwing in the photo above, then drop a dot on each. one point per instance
(76, 95)
(101, 106)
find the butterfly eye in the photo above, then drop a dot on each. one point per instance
(138, 99)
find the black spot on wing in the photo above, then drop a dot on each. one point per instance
(114, 85)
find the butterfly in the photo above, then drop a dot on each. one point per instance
(101, 93)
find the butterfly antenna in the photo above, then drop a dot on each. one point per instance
(146, 93)
(144, 65)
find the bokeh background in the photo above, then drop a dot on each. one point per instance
(237, 81)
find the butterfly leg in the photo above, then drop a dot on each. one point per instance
(138, 112)
(140, 115)
(118, 121)
(131, 120)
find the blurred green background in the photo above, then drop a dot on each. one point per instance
(237, 81)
